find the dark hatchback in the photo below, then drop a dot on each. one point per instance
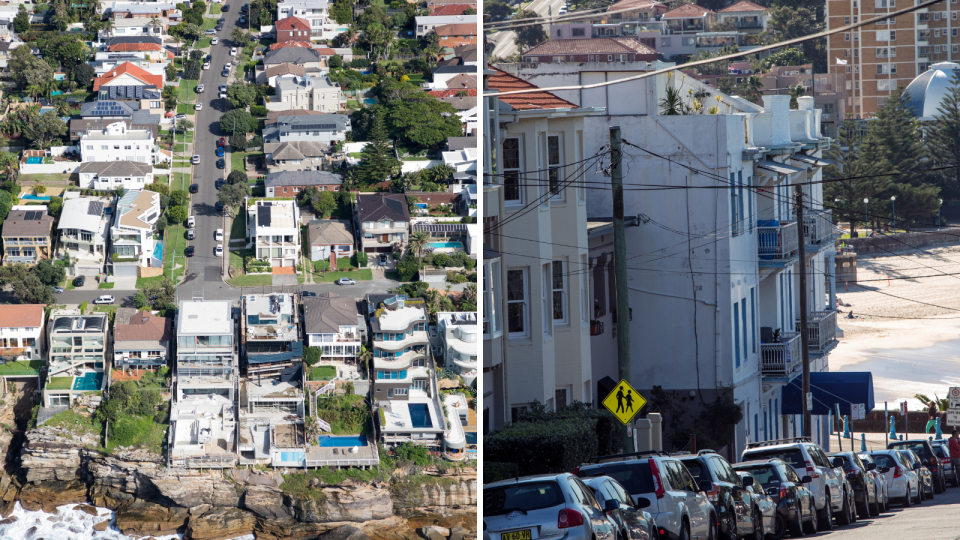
(225, 8)
(864, 490)
(928, 458)
(221, 163)
(727, 493)
(796, 511)
(189, 251)
(194, 188)
(219, 206)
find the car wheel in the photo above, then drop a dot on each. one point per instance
(938, 485)
(921, 494)
(780, 527)
(713, 532)
(757, 525)
(685, 531)
(825, 519)
(809, 527)
(863, 512)
(875, 507)
(729, 529)
(843, 518)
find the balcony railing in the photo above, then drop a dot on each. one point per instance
(818, 227)
(777, 240)
(749, 24)
(821, 330)
(781, 358)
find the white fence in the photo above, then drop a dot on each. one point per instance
(61, 150)
(49, 168)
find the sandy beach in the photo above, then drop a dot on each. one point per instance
(910, 346)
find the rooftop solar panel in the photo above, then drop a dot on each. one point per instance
(95, 208)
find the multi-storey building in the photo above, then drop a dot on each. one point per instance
(292, 29)
(113, 174)
(746, 16)
(330, 237)
(77, 344)
(457, 336)
(21, 332)
(311, 93)
(274, 229)
(143, 344)
(333, 323)
(84, 227)
(270, 333)
(382, 221)
(27, 236)
(427, 24)
(323, 129)
(132, 233)
(598, 49)
(118, 143)
(290, 183)
(316, 13)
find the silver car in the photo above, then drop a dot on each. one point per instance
(544, 506)
(632, 522)
(903, 482)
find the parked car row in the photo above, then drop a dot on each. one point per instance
(779, 487)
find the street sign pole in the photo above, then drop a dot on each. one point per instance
(620, 270)
(624, 402)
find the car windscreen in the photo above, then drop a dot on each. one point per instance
(938, 450)
(767, 474)
(844, 459)
(697, 469)
(498, 501)
(883, 460)
(635, 477)
(918, 447)
(793, 456)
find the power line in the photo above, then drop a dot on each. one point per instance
(733, 56)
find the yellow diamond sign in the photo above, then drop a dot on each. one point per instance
(624, 402)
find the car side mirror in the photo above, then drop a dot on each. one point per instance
(838, 462)
(916, 466)
(747, 481)
(884, 470)
(643, 503)
(871, 466)
(611, 505)
(806, 480)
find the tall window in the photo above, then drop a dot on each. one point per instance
(582, 191)
(546, 279)
(496, 297)
(584, 290)
(517, 309)
(753, 318)
(559, 293)
(736, 333)
(734, 207)
(743, 321)
(511, 170)
(553, 163)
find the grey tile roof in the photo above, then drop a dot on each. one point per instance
(472, 70)
(459, 143)
(293, 55)
(326, 312)
(300, 122)
(96, 109)
(116, 168)
(16, 223)
(135, 39)
(302, 178)
(129, 92)
(376, 206)
(295, 149)
(330, 232)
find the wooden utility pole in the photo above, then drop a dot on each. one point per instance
(620, 268)
(804, 343)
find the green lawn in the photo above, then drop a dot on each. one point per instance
(209, 23)
(342, 262)
(185, 108)
(357, 155)
(237, 230)
(364, 274)
(204, 42)
(76, 423)
(70, 286)
(180, 181)
(60, 383)
(138, 432)
(258, 280)
(178, 148)
(389, 274)
(322, 373)
(353, 104)
(188, 91)
(176, 242)
(162, 178)
(143, 283)
(185, 136)
(107, 285)
(236, 258)
(236, 160)
(105, 309)
(347, 415)
(215, 9)
(27, 367)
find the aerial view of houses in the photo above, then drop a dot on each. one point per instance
(219, 218)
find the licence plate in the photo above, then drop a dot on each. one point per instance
(517, 535)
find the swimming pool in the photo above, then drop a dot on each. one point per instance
(158, 251)
(370, 101)
(471, 437)
(36, 160)
(31, 197)
(296, 457)
(446, 245)
(420, 415)
(89, 381)
(347, 441)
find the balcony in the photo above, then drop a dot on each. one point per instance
(818, 229)
(749, 24)
(781, 358)
(777, 242)
(821, 331)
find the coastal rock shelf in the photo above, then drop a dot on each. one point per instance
(61, 467)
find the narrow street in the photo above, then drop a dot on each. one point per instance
(933, 520)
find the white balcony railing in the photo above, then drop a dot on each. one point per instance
(783, 357)
(777, 242)
(821, 330)
(818, 227)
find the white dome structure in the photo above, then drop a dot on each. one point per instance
(927, 91)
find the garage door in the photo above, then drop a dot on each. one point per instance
(90, 270)
(125, 270)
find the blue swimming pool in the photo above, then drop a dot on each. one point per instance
(370, 101)
(89, 381)
(420, 415)
(36, 160)
(347, 441)
(471, 437)
(446, 245)
(295, 457)
(31, 197)
(158, 251)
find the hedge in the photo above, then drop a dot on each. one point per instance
(496, 471)
(609, 439)
(543, 447)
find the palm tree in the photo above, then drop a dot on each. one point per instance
(155, 24)
(9, 166)
(107, 26)
(752, 89)
(469, 294)
(418, 244)
(795, 92)
(442, 172)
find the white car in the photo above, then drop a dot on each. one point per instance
(218, 235)
(198, 106)
(195, 160)
(211, 32)
(105, 299)
(223, 87)
(191, 222)
(903, 483)
(227, 66)
(233, 51)
(218, 251)
(199, 88)
(345, 281)
(214, 41)
(206, 65)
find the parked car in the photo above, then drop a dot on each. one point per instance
(943, 454)
(215, 40)
(194, 188)
(189, 251)
(219, 151)
(727, 493)
(345, 281)
(679, 506)
(191, 221)
(244, 8)
(307, 293)
(926, 477)
(903, 482)
(924, 449)
(221, 164)
(865, 496)
(544, 506)
(210, 32)
(218, 235)
(58, 290)
(223, 87)
(221, 20)
(105, 299)
(225, 73)
(218, 251)
(206, 65)
(226, 8)
(808, 459)
(191, 233)
(228, 65)
(219, 28)
(383, 259)
(199, 88)
(768, 510)
(631, 521)
(233, 51)
(879, 482)
(221, 141)
(79, 281)
(795, 509)
(243, 20)
(219, 183)
(195, 159)
(219, 206)
(198, 106)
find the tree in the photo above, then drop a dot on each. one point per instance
(791, 56)
(185, 125)
(424, 121)
(377, 161)
(84, 74)
(48, 273)
(161, 293)
(848, 195)
(419, 241)
(241, 94)
(238, 142)
(311, 355)
(233, 195)
(237, 120)
(796, 91)
(324, 204)
(179, 197)
(177, 214)
(943, 139)
(916, 203)
(21, 23)
(238, 36)
(528, 36)
(30, 72)
(751, 88)
(140, 300)
(43, 129)
(237, 177)
(336, 61)
(725, 85)
(172, 72)
(342, 11)
(30, 290)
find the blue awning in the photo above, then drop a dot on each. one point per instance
(297, 349)
(269, 358)
(829, 390)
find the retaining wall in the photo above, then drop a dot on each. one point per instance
(882, 245)
(51, 168)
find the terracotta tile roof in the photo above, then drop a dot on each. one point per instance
(134, 47)
(144, 326)
(325, 51)
(453, 9)
(292, 23)
(275, 46)
(635, 4)
(136, 72)
(589, 46)
(505, 82)
(21, 315)
(456, 30)
(687, 10)
(452, 93)
(743, 5)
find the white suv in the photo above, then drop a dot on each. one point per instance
(663, 486)
(807, 459)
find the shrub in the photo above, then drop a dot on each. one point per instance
(441, 260)
(413, 453)
(258, 110)
(407, 270)
(237, 177)
(543, 447)
(466, 219)
(494, 471)
(456, 277)
(83, 307)
(163, 189)
(311, 355)
(360, 259)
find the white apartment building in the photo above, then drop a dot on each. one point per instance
(77, 347)
(273, 228)
(316, 12)
(113, 174)
(457, 332)
(132, 233)
(427, 23)
(84, 227)
(135, 27)
(21, 332)
(206, 354)
(309, 93)
(118, 143)
(333, 323)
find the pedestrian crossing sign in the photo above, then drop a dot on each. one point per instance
(624, 402)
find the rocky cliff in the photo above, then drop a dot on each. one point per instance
(59, 467)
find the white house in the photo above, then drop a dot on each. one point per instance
(114, 174)
(21, 331)
(273, 229)
(461, 160)
(320, 128)
(333, 323)
(132, 233)
(457, 332)
(427, 24)
(136, 27)
(310, 93)
(117, 143)
(84, 226)
(315, 12)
